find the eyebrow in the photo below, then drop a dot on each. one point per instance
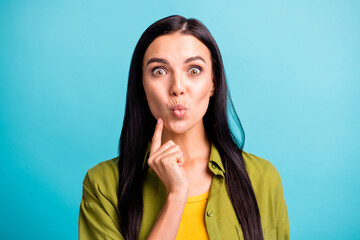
(161, 60)
(194, 58)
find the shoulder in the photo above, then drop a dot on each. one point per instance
(260, 167)
(102, 179)
(104, 169)
(262, 172)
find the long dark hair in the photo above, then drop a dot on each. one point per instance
(139, 124)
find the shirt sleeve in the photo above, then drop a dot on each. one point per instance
(282, 230)
(282, 225)
(98, 218)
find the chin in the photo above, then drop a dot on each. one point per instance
(177, 127)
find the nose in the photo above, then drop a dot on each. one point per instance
(177, 86)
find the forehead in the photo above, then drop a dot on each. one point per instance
(176, 46)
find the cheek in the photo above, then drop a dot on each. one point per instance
(203, 92)
(154, 98)
(202, 99)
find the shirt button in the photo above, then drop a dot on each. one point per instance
(209, 213)
(213, 165)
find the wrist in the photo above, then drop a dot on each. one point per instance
(178, 196)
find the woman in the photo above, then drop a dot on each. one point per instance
(181, 172)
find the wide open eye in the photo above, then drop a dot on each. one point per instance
(158, 71)
(195, 70)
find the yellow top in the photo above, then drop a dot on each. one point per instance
(192, 225)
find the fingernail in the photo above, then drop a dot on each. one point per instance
(159, 120)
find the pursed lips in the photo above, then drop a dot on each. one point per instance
(179, 107)
(179, 110)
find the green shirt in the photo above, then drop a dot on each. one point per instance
(98, 218)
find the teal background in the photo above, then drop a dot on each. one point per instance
(293, 72)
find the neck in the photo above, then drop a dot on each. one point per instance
(193, 143)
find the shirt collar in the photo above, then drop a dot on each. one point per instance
(215, 163)
(146, 155)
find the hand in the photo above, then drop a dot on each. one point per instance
(167, 161)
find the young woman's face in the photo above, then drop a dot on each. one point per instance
(178, 80)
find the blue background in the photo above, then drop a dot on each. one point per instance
(293, 71)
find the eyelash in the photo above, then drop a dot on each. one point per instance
(161, 68)
(156, 68)
(196, 67)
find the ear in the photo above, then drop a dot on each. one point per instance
(212, 89)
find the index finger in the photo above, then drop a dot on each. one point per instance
(156, 139)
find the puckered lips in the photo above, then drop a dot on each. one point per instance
(179, 110)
